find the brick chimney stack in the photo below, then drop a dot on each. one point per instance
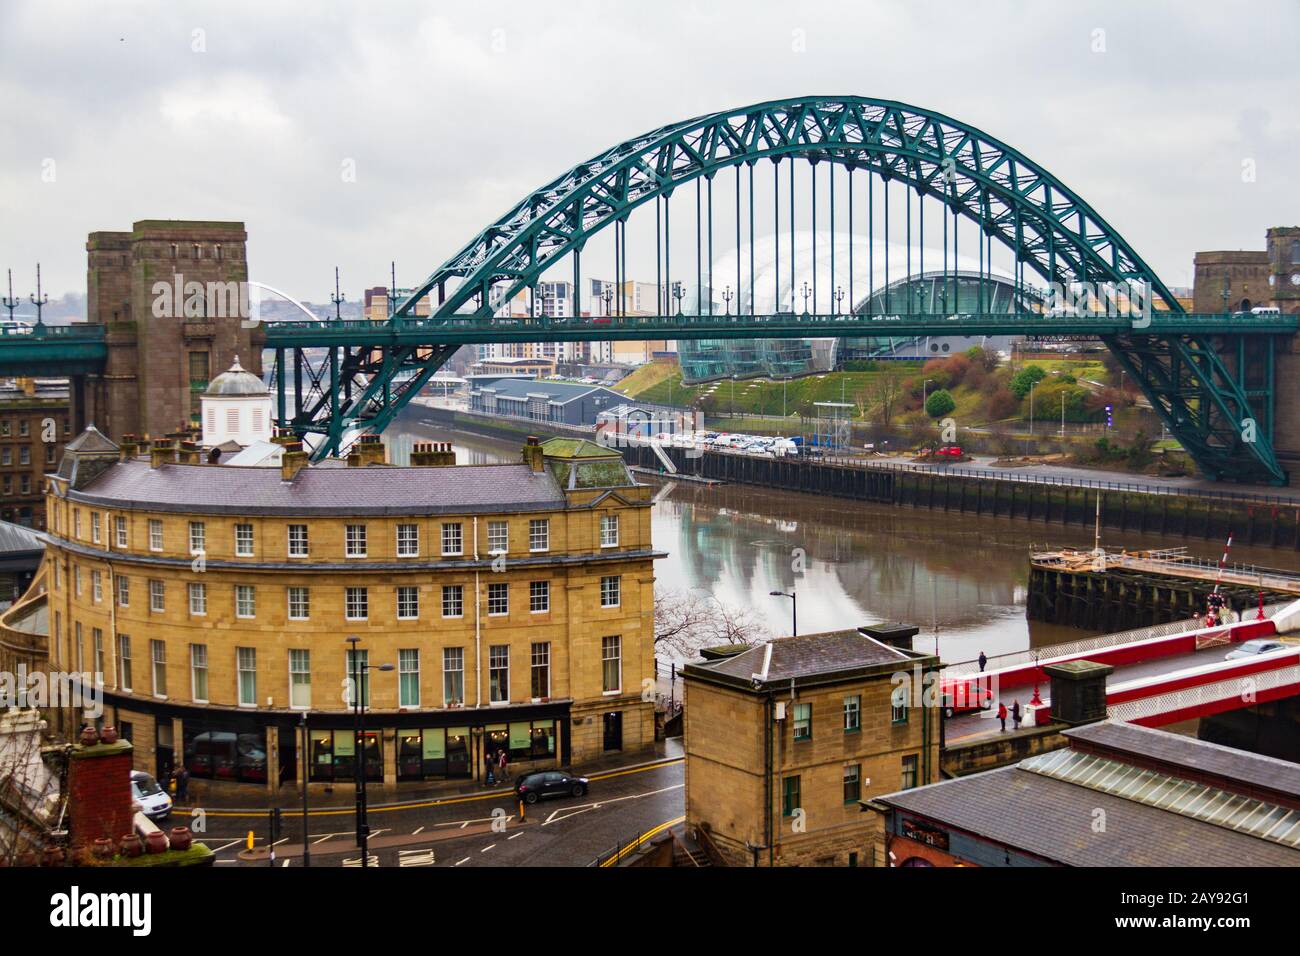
(99, 793)
(163, 452)
(533, 456)
(436, 454)
(293, 460)
(372, 450)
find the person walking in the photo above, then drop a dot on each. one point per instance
(1015, 715)
(502, 761)
(983, 660)
(182, 782)
(1002, 716)
(490, 777)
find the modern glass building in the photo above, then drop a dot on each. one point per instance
(939, 293)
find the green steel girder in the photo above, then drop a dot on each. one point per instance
(1050, 229)
(54, 350)
(1060, 236)
(1204, 404)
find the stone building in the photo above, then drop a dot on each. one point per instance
(1240, 280)
(784, 741)
(514, 601)
(34, 425)
(173, 296)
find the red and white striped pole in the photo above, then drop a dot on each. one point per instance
(1219, 576)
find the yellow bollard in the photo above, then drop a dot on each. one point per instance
(522, 819)
(250, 839)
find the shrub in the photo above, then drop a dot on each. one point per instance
(940, 403)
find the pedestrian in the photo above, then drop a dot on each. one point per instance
(1015, 715)
(503, 760)
(983, 660)
(490, 778)
(182, 782)
(1002, 715)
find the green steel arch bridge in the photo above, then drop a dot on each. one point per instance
(776, 167)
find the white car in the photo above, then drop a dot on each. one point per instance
(153, 799)
(1254, 649)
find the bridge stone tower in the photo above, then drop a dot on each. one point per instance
(163, 346)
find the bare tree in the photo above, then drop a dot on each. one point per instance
(885, 391)
(686, 621)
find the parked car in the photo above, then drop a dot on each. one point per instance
(550, 783)
(1254, 648)
(153, 799)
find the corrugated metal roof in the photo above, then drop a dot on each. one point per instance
(373, 490)
(14, 538)
(1052, 819)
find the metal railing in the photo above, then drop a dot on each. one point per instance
(1086, 644)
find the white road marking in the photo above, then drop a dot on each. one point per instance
(278, 842)
(513, 835)
(565, 812)
(423, 857)
(417, 831)
(458, 862)
(286, 863)
(227, 846)
(371, 860)
(488, 847)
(328, 836)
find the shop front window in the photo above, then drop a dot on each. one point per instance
(226, 750)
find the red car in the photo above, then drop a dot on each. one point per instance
(950, 451)
(963, 696)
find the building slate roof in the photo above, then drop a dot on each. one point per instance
(807, 656)
(378, 490)
(562, 392)
(1053, 819)
(16, 539)
(1197, 756)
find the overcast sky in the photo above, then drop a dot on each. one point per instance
(452, 112)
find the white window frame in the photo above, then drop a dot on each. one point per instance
(155, 534)
(354, 541)
(120, 532)
(198, 651)
(609, 531)
(453, 539)
(306, 602)
(606, 657)
(157, 596)
(498, 537)
(198, 537)
(404, 670)
(96, 585)
(544, 662)
(304, 539)
(124, 680)
(241, 669)
(504, 588)
(415, 600)
(123, 590)
(539, 529)
(356, 597)
(294, 672)
(94, 527)
(611, 584)
(252, 601)
(453, 655)
(544, 591)
(199, 590)
(493, 665)
(157, 660)
(245, 545)
(460, 600)
(408, 540)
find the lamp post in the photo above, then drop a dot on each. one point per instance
(839, 297)
(727, 296)
(678, 294)
(306, 776)
(794, 609)
(806, 292)
(1031, 407)
(924, 388)
(359, 671)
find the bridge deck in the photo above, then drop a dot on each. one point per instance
(1174, 562)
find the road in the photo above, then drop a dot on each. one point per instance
(473, 830)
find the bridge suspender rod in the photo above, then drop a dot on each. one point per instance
(710, 188)
(667, 255)
(812, 174)
(776, 235)
(920, 208)
(907, 205)
(830, 174)
(852, 301)
(943, 214)
(871, 244)
(956, 267)
(659, 257)
(699, 258)
(887, 293)
(738, 286)
(751, 239)
(792, 246)
(979, 238)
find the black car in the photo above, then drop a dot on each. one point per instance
(550, 783)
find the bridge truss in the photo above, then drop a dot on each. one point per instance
(1212, 386)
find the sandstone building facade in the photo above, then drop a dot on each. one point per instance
(514, 601)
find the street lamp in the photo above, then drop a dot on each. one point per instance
(839, 297)
(359, 730)
(806, 292)
(1031, 407)
(924, 387)
(727, 296)
(306, 775)
(678, 294)
(794, 609)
